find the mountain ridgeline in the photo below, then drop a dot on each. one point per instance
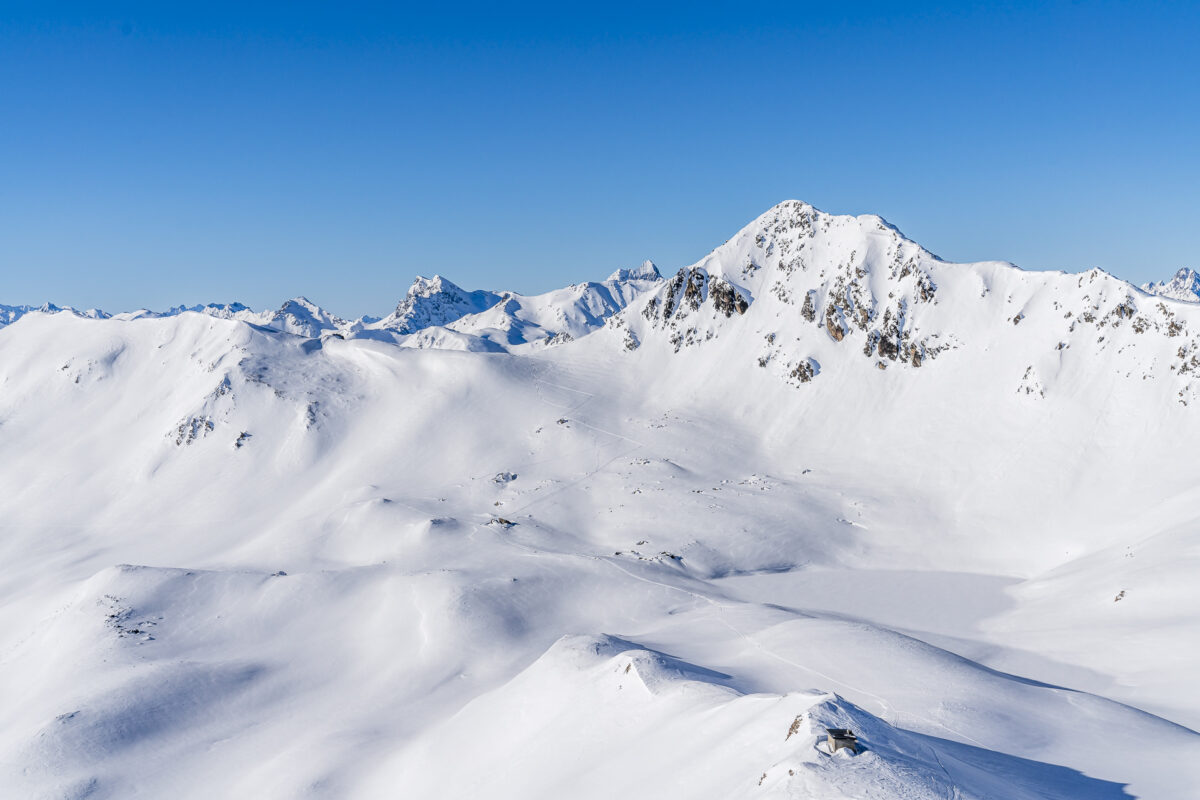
(788, 286)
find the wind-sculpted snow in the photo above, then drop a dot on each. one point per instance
(639, 538)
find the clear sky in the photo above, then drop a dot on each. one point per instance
(171, 153)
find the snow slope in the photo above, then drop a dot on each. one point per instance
(819, 479)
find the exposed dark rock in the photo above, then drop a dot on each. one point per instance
(193, 428)
(809, 310)
(833, 323)
(925, 288)
(805, 371)
(726, 299)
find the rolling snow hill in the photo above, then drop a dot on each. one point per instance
(821, 478)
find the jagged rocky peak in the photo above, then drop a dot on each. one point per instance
(436, 301)
(1184, 285)
(646, 272)
(427, 287)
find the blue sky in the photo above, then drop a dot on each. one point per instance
(158, 154)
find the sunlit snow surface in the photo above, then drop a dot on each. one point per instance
(821, 479)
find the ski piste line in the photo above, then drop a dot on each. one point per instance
(590, 396)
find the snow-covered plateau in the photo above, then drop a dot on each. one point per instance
(646, 537)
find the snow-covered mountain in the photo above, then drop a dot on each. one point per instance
(820, 479)
(436, 313)
(435, 301)
(559, 316)
(444, 316)
(1184, 285)
(827, 290)
(10, 314)
(298, 316)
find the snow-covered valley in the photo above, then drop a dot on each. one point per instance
(642, 537)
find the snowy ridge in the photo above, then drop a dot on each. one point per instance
(10, 314)
(560, 316)
(438, 314)
(435, 313)
(818, 479)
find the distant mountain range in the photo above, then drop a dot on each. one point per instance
(1184, 285)
(447, 316)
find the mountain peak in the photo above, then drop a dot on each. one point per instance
(302, 302)
(303, 317)
(427, 287)
(436, 301)
(648, 271)
(1184, 285)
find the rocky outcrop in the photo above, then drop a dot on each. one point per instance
(690, 305)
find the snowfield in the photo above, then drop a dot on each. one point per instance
(646, 537)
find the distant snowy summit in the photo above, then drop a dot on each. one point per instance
(1184, 286)
(10, 314)
(435, 302)
(434, 312)
(646, 272)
